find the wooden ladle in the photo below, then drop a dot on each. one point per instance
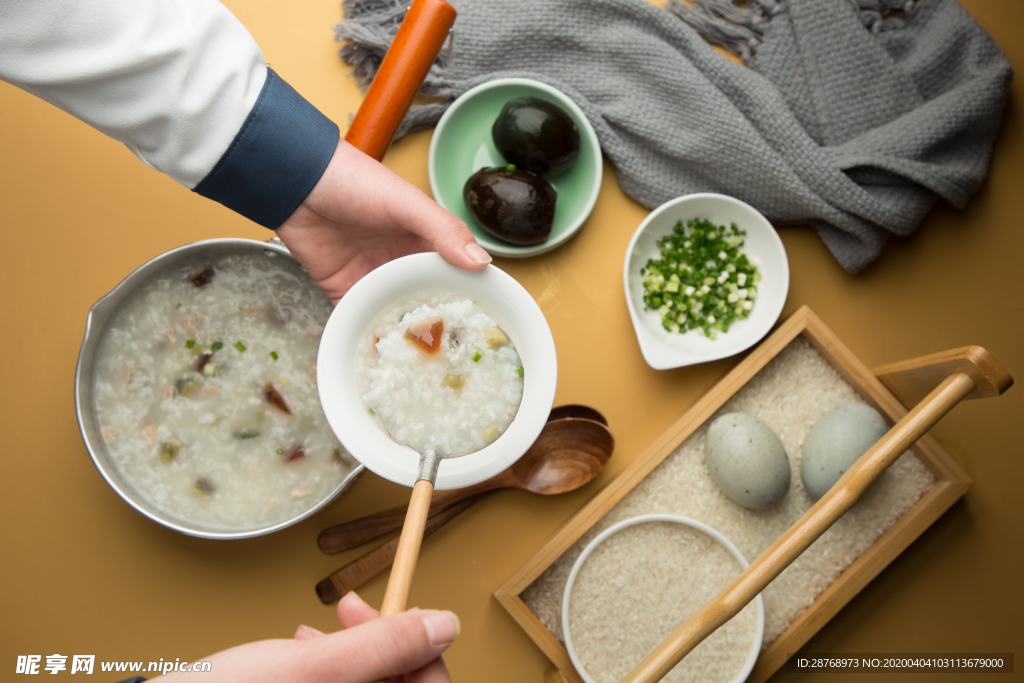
(569, 452)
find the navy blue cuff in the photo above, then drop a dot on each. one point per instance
(277, 157)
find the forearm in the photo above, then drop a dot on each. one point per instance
(183, 85)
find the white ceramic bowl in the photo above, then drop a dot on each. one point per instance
(462, 145)
(663, 349)
(755, 647)
(502, 298)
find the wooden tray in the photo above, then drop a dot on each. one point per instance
(952, 481)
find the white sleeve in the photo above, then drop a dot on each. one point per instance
(172, 79)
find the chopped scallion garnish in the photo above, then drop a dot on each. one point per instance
(520, 370)
(372, 411)
(190, 343)
(240, 346)
(476, 357)
(217, 346)
(273, 354)
(697, 281)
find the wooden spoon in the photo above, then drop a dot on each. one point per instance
(568, 453)
(574, 410)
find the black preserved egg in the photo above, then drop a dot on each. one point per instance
(512, 204)
(536, 135)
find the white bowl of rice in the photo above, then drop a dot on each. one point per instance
(637, 581)
(495, 390)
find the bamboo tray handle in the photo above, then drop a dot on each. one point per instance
(970, 372)
(401, 73)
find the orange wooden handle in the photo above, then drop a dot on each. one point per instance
(413, 51)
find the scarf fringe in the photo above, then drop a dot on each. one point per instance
(371, 25)
(740, 30)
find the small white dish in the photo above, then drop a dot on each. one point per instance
(663, 349)
(752, 652)
(462, 145)
(502, 298)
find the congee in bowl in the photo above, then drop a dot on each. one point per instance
(482, 351)
(439, 373)
(204, 398)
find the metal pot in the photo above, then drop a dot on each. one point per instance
(100, 315)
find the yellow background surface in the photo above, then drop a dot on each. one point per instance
(85, 574)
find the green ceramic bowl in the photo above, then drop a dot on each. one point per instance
(462, 145)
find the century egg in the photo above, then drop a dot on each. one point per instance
(747, 460)
(536, 135)
(512, 204)
(835, 442)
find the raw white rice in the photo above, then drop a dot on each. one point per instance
(231, 471)
(456, 401)
(624, 586)
(789, 395)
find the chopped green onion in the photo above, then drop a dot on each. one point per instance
(240, 346)
(217, 346)
(700, 280)
(210, 370)
(280, 451)
(510, 168)
(520, 370)
(190, 343)
(372, 411)
(476, 357)
(273, 354)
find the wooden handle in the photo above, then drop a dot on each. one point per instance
(401, 73)
(359, 571)
(341, 537)
(809, 527)
(911, 380)
(397, 593)
(555, 676)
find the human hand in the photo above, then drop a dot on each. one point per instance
(361, 215)
(406, 647)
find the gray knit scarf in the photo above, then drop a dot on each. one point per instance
(853, 116)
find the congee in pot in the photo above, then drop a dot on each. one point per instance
(205, 393)
(439, 373)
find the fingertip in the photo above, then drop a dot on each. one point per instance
(453, 240)
(442, 627)
(352, 599)
(304, 632)
(353, 611)
(477, 254)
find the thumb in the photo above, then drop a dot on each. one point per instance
(447, 233)
(384, 647)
